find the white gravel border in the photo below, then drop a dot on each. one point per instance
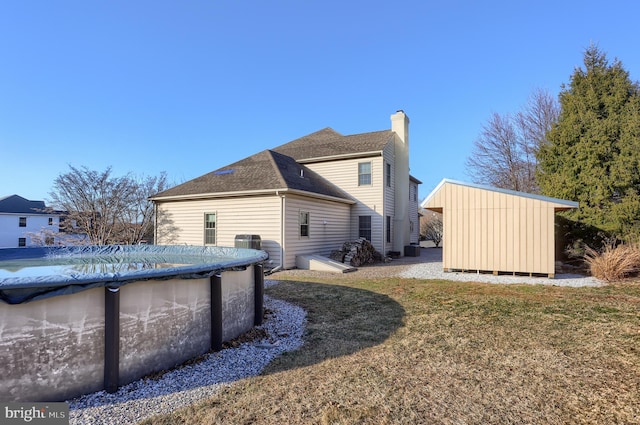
(190, 384)
(433, 270)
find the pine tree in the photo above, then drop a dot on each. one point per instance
(593, 152)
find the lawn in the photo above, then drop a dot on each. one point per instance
(408, 351)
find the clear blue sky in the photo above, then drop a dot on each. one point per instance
(187, 87)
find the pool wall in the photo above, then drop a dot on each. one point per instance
(64, 346)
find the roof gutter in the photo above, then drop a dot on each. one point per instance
(195, 196)
(277, 192)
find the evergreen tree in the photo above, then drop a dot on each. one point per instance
(593, 152)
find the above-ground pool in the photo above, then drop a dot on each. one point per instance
(81, 319)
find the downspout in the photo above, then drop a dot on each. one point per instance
(282, 205)
(383, 236)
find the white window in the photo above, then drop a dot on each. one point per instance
(210, 229)
(22, 222)
(304, 223)
(388, 229)
(388, 174)
(364, 227)
(364, 173)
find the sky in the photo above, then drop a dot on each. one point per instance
(187, 87)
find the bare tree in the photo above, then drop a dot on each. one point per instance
(107, 209)
(137, 221)
(538, 117)
(504, 155)
(431, 227)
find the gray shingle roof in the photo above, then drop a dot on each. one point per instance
(328, 142)
(263, 171)
(278, 169)
(18, 205)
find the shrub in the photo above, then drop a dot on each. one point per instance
(613, 263)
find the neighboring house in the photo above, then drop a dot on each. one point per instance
(26, 223)
(308, 196)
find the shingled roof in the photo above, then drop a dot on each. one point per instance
(18, 205)
(329, 143)
(263, 172)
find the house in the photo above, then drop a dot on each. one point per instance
(26, 223)
(308, 196)
(496, 230)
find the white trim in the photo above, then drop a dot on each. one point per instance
(277, 192)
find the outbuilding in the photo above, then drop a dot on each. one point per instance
(486, 229)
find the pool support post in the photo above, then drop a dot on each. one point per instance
(111, 339)
(216, 311)
(258, 278)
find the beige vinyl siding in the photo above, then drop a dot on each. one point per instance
(495, 231)
(323, 238)
(414, 237)
(369, 198)
(389, 195)
(253, 215)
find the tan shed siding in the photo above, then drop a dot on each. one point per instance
(369, 198)
(494, 231)
(254, 215)
(323, 238)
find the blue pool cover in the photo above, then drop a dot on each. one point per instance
(28, 274)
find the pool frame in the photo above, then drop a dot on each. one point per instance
(99, 337)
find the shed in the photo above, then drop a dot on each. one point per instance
(486, 229)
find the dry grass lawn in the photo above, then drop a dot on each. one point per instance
(394, 351)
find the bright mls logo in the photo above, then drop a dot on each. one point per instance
(34, 413)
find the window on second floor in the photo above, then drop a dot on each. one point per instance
(22, 222)
(50, 221)
(304, 223)
(364, 173)
(210, 229)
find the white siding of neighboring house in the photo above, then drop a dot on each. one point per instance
(251, 215)
(323, 238)
(370, 198)
(10, 231)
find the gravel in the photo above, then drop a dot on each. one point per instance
(434, 271)
(431, 268)
(190, 384)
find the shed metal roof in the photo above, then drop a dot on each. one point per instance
(563, 203)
